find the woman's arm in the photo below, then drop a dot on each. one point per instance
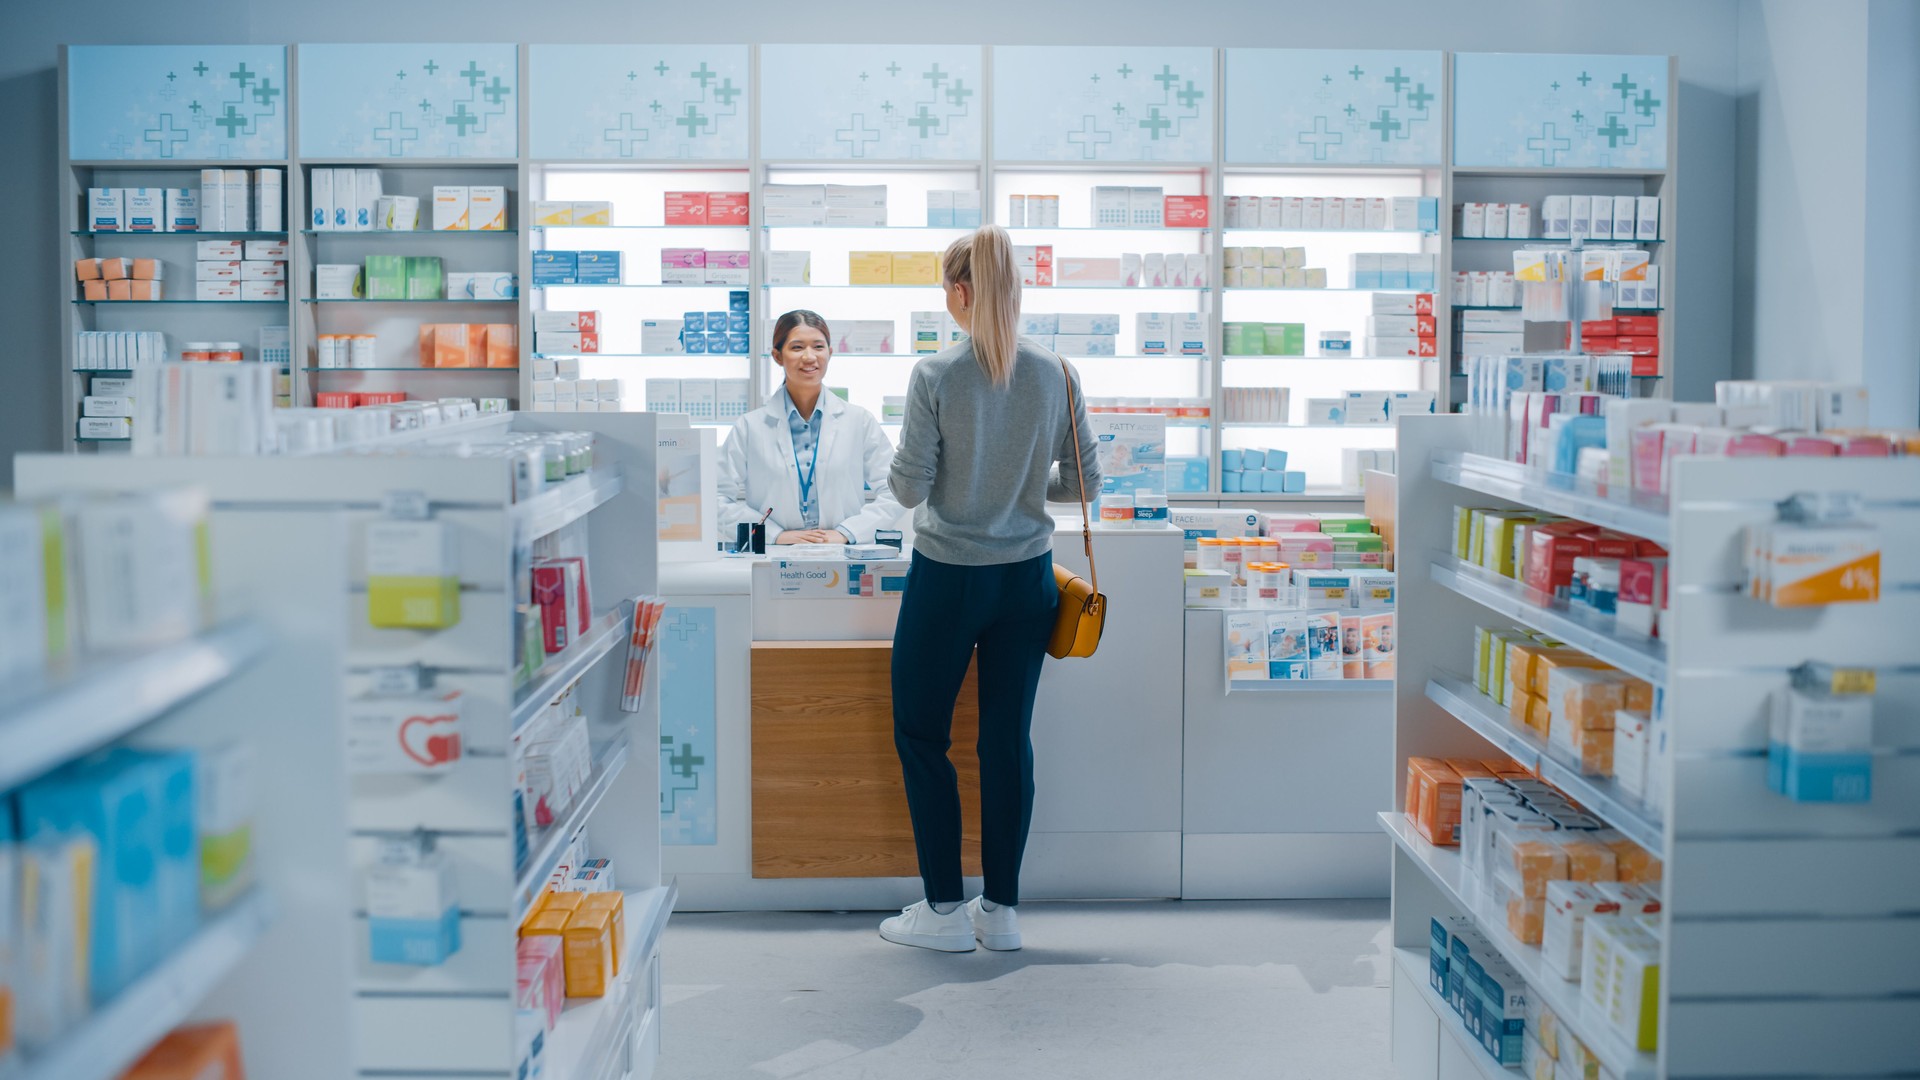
(1064, 485)
(917, 462)
(884, 510)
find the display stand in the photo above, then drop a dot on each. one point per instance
(320, 826)
(1776, 913)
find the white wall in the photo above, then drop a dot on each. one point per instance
(1829, 237)
(1701, 32)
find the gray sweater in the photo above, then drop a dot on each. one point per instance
(981, 462)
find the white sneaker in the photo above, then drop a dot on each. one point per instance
(921, 926)
(998, 929)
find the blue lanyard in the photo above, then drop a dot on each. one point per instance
(806, 482)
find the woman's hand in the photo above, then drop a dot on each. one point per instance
(811, 536)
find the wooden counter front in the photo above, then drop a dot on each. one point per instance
(828, 800)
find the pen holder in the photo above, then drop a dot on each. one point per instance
(750, 536)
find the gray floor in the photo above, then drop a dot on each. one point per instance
(1102, 990)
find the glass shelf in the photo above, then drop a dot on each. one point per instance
(872, 228)
(384, 233)
(188, 235)
(138, 303)
(1385, 428)
(1036, 288)
(1197, 229)
(1551, 240)
(1335, 232)
(625, 285)
(1486, 307)
(649, 356)
(1328, 289)
(1336, 359)
(642, 228)
(459, 370)
(413, 300)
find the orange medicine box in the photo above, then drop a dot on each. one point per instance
(503, 345)
(86, 269)
(120, 289)
(199, 1052)
(545, 923)
(568, 902)
(93, 290)
(588, 952)
(1585, 698)
(116, 269)
(1552, 660)
(1633, 864)
(614, 903)
(148, 269)
(1590, 861)
(1433, 800)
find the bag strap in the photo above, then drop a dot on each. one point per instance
(1086, 520)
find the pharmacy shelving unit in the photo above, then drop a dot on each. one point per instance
(1318, 448)
(154, 696)
(867, 378)
(1532, 186)
(396, 324)
(319, 826)
(637, 189)
(1779, 917)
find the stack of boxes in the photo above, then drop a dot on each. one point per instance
(1495, 221)
(1271, 267)
(1600, 217)
(893, 268)
(1033, 211)
(1399, 213)
(469, 345)
(240, 270)
(1120, 207)
(121, 279)
(953, 209)
(470, 208)
(1402, 324)
(1265, 339)
(728, 209)
(700, 333)
(1035, 262)
(841, 205)
(1162, 333)
(1073, 334)
(549, 212)
(1485, 288)
(558, 387)
(1489, 333)
(1637, 336)
(400, 277)
(1258, 471)
(1395, 270)
(713, 400)
(1370, 406)
(584, 268)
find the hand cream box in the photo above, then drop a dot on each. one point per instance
(789, 267)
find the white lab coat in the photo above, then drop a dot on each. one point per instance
(757, 471)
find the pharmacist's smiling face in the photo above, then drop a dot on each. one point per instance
(804, 356)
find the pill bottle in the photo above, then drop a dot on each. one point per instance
(359, 351)
(1149, 509)
(225, 352)
(1116, 511)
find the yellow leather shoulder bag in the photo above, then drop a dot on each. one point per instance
(1082, 615)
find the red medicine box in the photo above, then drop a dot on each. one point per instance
(551, 593)
(1423, 303)
(1551, 550)
(1426, 326)
(727, 208)
(1646, 365)
(1637, 325)
(1186, 211)
(1631, 345)
(687, 208)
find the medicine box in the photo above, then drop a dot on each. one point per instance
(450, 211)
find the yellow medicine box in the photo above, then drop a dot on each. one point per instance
(916, 268)
(870, 267)
(568, 902)
(545, 924)
(588, 952)
(615, 904)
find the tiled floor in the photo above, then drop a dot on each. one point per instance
(1222, 991)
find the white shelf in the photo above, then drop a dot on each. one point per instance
(50, 719)
(565, 504)
(563, 667)
(1596, 635)
(492, 423)
(586, 1041)
(1636, 512)
(1310, 686)
(544, 847)
(106, 1043)
(1413, 965)
(1598, 794)
(1445, 867)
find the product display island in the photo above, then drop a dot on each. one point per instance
(787, 667)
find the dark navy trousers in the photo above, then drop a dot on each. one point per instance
(1004, 614)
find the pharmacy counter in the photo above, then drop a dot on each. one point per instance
(780, 785)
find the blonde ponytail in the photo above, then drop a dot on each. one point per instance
(984, 261)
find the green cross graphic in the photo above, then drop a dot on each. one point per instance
(1154, 123)
(1386, 125)
(193, 107)
(232, 121)
(661, 69)
(1626, 86)
(893, 69)
(626, 134)
(266, 92)
(1646, 102)
(704, 74)
(401, 74)
(473, 74)
(1166, 78)
(430, 67)
(171, 76)
(1095, 76)
(691, 120)
(886, 107)
(1356, 73)
(1398, 80)
(425, 105)
(462, 119)
(1089, 138)
(1555, 85)
(1327, 79)
(497, 91)
(924, 122)
(1550, 144)
(1190, 96)
(654, 105)
(1419, 98)
(858, 135)
(241, 75)
(1578, 116)
(684, 761)
(1118, 108)
(726, 92)
(166, 135)
(958, 93)
(396, 135)
(200, 68)
(1613, 131)
(632, 75)
(1350, 111)
(863, 76)
(1320, 137)
(1125, 71)
(1584, 79)
(936, 76)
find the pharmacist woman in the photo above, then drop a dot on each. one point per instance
(807, 454)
